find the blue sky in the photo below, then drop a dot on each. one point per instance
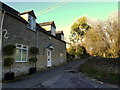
(66, 14)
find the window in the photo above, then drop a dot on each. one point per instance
(21, 53)
(32, 22)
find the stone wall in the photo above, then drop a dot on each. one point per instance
(18, 33)
(59, 47)
(105, 64)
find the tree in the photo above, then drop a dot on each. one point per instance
(78, 32)
(34, 51)
(8, 52)
(71, 50)
(102, 39)
(81, 50)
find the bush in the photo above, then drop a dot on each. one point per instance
(8, 61)
(33, 60)
(86, 55)
(81, 51)
(9, 50)
(34, 50)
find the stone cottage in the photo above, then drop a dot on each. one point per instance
(21, 30)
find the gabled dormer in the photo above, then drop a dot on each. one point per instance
(49, 27)
(30, 17)
(60, 35)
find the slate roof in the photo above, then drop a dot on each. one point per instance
(12, 12)
(48, 23)
(50, 46)
(44, 31)
(59, 32)
(31, 12)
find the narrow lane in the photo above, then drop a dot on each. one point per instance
(37, 79)
(65, 76)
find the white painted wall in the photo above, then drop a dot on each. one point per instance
(47, 28)
(53, 30)
(25, 16)
(62, 37)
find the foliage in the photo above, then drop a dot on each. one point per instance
(102, 40)
(33, 60)
(9, 50)
(78, 30)
(77, 35)
(34, 50)
(8, 62)
(80, 50)
(71, 50)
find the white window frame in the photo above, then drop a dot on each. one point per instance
(32, 23)
(22, 48)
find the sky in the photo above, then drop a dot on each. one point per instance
(65, 15)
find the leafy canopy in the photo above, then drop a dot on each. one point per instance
(34, 50)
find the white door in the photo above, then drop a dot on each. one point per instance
(61, 57)
(49, 58)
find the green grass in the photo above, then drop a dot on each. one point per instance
(101, 75)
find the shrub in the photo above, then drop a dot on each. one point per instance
(81, 51)
(9, 50)
(33, 60)
(34, 50)
(8, 62)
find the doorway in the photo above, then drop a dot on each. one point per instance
(49, 64)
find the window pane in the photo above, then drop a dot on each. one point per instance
(18, 55)
(18, 45)
(24, 55)
(25, 47)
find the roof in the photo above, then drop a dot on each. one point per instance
(50, 46)
(26, 12)
(11, 12)
(44, 31)
(31, 12)
(14, 13)
(59, 32)
(48, 23)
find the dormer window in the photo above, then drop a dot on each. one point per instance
(60, 35)
(30, 17)
(49, 27)
(32, 23)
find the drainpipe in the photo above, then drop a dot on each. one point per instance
(1, 31)
(36, 37)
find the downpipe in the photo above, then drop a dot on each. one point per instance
(1, 32)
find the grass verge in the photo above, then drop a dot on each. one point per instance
(100, 74)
